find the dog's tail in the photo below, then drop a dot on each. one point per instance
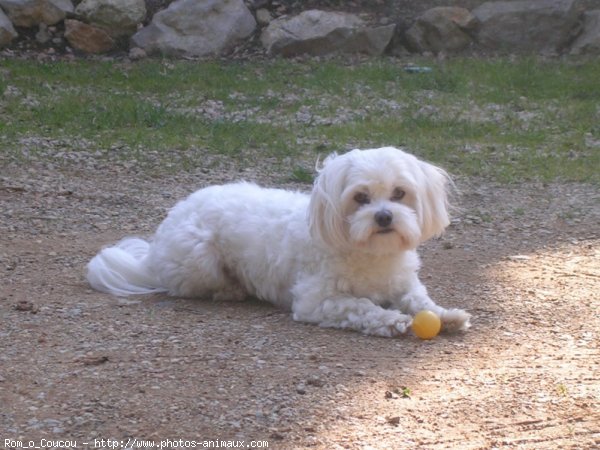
(123, 269)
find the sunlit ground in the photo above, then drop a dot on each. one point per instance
(526, 376)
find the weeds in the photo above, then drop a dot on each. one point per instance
(509, 120)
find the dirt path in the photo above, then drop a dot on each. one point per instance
(80, 365)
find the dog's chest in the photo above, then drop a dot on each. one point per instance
(377, 280)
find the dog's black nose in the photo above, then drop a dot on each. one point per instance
(384, 218)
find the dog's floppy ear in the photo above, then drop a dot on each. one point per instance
(432, 200)
(325, 215)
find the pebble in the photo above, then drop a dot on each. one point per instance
(519, 258)
(315, 381)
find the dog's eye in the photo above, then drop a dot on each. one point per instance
(398, 195)
(361, 198)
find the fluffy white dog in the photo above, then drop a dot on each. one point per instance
(343, 256)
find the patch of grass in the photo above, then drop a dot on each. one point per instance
(511, 120)
(302, 175)
(398, 392)
(562, 390)
(530, 78)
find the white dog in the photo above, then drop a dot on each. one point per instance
(342, 257)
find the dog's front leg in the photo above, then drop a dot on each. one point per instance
(341, 311)
(416, 299)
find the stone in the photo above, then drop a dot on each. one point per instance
(43, 36)
(88, 38)
(263, 17)
(30, 13)
(542, 26)
(442, 29)
(136, 53)
(316, 32)
(196, 28)
(117, 17)
(370, 41)
(588, 42)
(7, 31)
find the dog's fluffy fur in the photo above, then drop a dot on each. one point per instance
(343, 256)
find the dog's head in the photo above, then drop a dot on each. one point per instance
(380, 201)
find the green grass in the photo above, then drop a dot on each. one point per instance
(526, 119)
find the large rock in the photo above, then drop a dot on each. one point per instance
(117, 17)
(7, 31)
(526, 26)
(88, 38)
(442, 29)
(371, 41)
(589, 39)
(30, 13)
(196, 28)
(317, 32)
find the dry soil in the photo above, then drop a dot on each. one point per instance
(81, 365)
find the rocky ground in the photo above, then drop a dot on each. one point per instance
(52, 45)
(77, 364)
(49, 42)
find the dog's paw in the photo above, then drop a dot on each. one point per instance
(390, 325)
(455, 320)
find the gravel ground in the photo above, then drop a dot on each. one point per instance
(80, 365)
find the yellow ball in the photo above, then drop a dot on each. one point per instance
(426, 324)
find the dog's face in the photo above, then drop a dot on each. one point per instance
(380, 201)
